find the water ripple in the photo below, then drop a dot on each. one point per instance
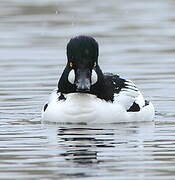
(136, 41)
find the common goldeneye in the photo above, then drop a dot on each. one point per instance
(87, 95)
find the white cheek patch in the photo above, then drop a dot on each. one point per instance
(94, 77)
(71, 76)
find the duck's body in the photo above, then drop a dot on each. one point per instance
(86, 108)
(86, 95)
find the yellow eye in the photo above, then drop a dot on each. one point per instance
(71, 64)
(95, 64)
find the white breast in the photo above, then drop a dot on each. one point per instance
(86, 108)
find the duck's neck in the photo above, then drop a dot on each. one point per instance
(100, 88)
(64, 86)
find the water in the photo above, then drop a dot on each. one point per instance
(136, 40)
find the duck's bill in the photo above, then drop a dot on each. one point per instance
(83, 82)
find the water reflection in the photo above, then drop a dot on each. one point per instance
(127, 148)
(97, 145)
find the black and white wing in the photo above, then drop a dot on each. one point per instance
(129, 96)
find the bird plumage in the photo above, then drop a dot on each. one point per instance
(86, 94)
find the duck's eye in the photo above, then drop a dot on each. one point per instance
(95, 64)
(71, 64)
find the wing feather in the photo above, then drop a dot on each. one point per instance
(129, 95)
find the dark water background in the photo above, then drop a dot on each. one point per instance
(137, 40)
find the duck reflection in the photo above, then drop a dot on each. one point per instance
(82, 144)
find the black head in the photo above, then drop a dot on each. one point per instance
(82, 55)
(82, 50)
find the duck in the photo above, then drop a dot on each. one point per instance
(85, 94)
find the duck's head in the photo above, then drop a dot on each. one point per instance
(82, 60)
